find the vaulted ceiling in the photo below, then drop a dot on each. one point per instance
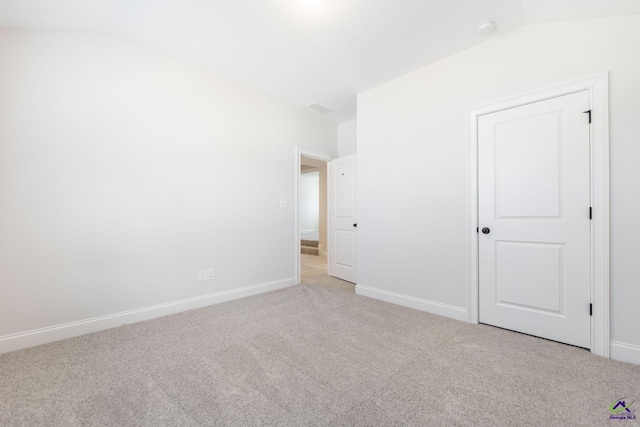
(303, 54)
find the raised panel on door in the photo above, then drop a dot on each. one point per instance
(530, 276)
(345, 190)
(344, 246)
(528, 167)
(533, 187)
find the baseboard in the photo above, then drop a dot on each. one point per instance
(453, 312)
(625, 352)
(73, 329)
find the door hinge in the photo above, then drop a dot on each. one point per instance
(589, 113)
(590, 212)
(590, 309)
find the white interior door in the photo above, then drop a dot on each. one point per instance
(343, 223)
(534, 219)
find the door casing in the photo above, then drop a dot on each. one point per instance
(599, 175)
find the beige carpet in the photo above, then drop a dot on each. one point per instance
(314, 354)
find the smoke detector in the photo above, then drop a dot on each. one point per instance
(319, 108)
(486, 27)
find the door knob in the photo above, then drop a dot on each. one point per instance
(355, 225)
(485, 230)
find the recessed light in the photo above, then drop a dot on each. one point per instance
(312, 2)
(485, 28)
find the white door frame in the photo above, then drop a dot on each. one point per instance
(598, 87)
(307, 152)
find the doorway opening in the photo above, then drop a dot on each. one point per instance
(312, 247)
(312, 216)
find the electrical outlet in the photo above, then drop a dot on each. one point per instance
(210, 274)
(202, 275)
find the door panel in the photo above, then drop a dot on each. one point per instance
(534, 197)
(528, 167)
(529, 275)
(344, 179)
(344, 252)
(342, 255)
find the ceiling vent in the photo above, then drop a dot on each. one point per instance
(319, 108)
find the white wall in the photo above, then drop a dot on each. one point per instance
(309, 201)
(347, 138)
(123, 173)
(412, 142)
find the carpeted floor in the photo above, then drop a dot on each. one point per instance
(314, 354)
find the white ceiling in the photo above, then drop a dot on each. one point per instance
(303, 54)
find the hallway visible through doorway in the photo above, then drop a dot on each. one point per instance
(313, 265)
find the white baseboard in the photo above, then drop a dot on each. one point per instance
(73, 329)
(453, 312)
(625, 352)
